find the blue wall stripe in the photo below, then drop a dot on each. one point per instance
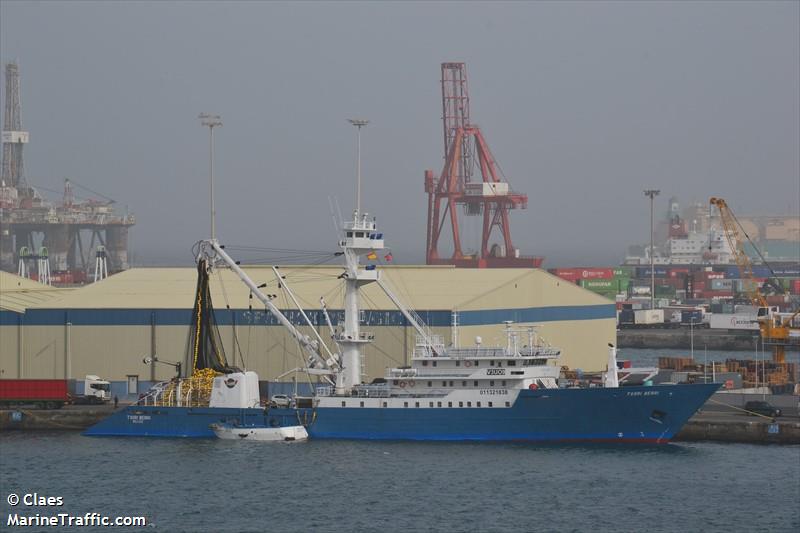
(243, 317)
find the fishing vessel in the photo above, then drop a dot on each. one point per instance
(473, 393)
(213, 392)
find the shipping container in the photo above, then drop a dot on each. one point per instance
(649, 316)
(660, 272)
(678, 272)
(605, 284)
(622, 272)
(721, 284)
(692, 317)
(49, 393)
(731, 321)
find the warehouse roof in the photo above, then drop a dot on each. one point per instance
(17, 294)
(419, 287)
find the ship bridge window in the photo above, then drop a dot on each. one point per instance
(430, 384)
(511, 363)
(491, 363)
(424, 363)
(475, 362)
(434, 363)
(444, 384)
(349, 233)
(458, 363)
(359, 234)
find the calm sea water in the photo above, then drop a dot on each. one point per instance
(209, 485)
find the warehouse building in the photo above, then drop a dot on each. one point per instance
(110, 327)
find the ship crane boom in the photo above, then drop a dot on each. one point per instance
(315, 359)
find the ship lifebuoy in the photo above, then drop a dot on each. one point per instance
(412, 383)
(533, 386)
(402, 384)
(467, 363)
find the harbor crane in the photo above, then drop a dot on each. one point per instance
(777, 329)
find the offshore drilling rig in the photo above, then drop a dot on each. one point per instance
(61, 241)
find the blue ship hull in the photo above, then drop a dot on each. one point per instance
(626, 414)
(150, 421)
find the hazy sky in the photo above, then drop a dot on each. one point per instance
(583, 104)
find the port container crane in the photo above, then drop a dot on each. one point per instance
(776, 330)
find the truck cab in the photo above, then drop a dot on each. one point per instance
(96, 390)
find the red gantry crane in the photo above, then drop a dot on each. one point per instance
(458, 185)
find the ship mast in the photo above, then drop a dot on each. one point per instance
(360, 238)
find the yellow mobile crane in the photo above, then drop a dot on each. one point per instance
(775, 330)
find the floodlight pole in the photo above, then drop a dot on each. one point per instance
(652, 193)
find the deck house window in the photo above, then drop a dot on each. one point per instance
(491, 363)
(424, 363)
(343, 404)
(444, 384)
(361, 404)
(508, 404)
(405, 404)
(433, 363)
(430, 404)
(458, 363)
(479, 404)
(385, 404)
(461, 404)
(463, 383)
(438, 404)
(475, 383)
(449, 404)
(416, 404)
(490, 404)
(469, 404)
(511, 363)
(491, 383)
(430, 384)
(504, 383)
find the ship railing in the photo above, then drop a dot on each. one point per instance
(186, 392)
(361, 391)
(431, 346)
